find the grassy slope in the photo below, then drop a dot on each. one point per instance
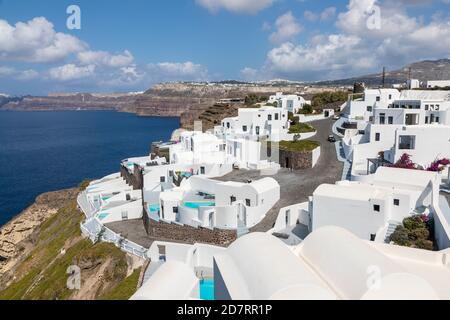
(42, 273)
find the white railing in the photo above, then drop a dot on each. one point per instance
(93, 229)
(96, 232)
(86, 207)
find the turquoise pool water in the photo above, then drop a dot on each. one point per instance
(207, 289)
(154, 207)
(102, 216)
(199, 204)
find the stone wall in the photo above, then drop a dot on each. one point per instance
(176, 233)
(296, 160)
(134, 180)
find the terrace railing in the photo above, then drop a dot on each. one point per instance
(96, 232)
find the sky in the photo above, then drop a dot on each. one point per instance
(119, 46)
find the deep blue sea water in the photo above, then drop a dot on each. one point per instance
(48, 151)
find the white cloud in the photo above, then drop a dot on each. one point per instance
(70, 72)
(6, 71)
(236, 6)
(328, 13)
(36, 41)
(287, 27)
(356, 49)
(310, 16)
(29, 74)
(325, 15)
(104, 58)
(183, 71)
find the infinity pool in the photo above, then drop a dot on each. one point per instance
(207, 289)
(199, 204)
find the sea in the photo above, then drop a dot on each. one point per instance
(54, 150)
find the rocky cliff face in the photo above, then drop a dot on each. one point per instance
(187, 100)
(39, 246)
(71, 102)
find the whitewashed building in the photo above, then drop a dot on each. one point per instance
(291, 103)
(417, 124)
(371, 210)
(330, 264)
(203, 202)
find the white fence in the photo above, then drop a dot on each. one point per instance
(93, 229)
(96, 232)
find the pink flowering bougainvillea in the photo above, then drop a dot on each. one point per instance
(405, 162)
(438, 165)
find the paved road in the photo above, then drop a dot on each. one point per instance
(297, 186)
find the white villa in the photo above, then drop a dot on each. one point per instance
(372, 210)
(292, 103)
(254, 123)
(417, 123)
(203, 202)
(330, 264)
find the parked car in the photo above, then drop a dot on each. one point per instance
(331, 138)
(336, 117)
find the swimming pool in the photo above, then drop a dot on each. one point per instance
(154, 207)
(207, 289)
(199, 204)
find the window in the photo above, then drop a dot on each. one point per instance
(407, 143)
(202, 170)
(162, 179)
(171, 173)
(248, 202)
(390, 120)
(382, 118)
(437, 119)
(269, 117)
(390, 97)
(232, 199)
(378, 99)
(124, 215)
(376, 208)
(369, 108)
(228, 125)
(427, 119)
(396, 202)
(427, 107)
(175, 209)
(244, 128)
(377, 136)
(257, 130)
(373, 237)
(288, 217)
(276, 116)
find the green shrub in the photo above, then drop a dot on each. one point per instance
(307, 109)
(424, 244)
(401, 237)
(298, 146)
(419, 234)
(416, 232)
(301, 128)
(84, 184)
(412, 223)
